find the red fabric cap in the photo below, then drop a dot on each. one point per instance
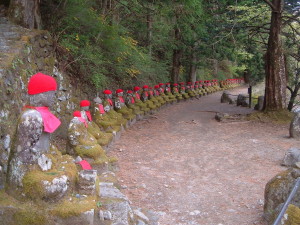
(145, 86)
(77, 114)
(136, 88)
(84, 103)
(161, 84)
(150, 88)
(181, 83)
(175, 85)
(107, 92)
(129, 91)
(189, 82)
(40, 83)
(156, 86)
(119, 91)
(167, 83)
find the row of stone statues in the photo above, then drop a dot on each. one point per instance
(38, 170)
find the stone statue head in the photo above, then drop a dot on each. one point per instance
(107, 94)
(85, 105)
(136, 89)
(119, 92)
(130, 93)
(42, 90)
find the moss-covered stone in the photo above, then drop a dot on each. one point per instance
(30, 217)
(293, 215)
(74, 206)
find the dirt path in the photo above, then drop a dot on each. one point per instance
(195, 170)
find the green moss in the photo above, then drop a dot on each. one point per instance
(94, 151)
(293, 215)
(74, 207)
(29, 217)
(281, 116)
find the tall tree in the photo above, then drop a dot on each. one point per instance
(26, 13)
(275, 68)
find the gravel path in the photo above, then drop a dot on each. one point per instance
(195, 170)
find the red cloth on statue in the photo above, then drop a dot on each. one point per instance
(51, 122)
(85, 165)
(101, 109)
(137, 96)
(88, 114)
(110, 101)
(121, 99)
(132, 100)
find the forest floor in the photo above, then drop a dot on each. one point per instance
(194, 170)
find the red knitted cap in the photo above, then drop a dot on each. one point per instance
(189, 82)
(77, 114)
(136, 88)
(107, 92)
(167, 83)
(161, 84)
(181, 83)
(119, 91)
(145, 86)
(129, 91)
(40, 83)
(84, 103)
(156, 86)
(150, 88)
(175, 84)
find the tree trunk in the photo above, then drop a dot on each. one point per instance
(275, 91)
(149, 31)
(193, 64)
(177, 54)
(294, 94)
(26, 13)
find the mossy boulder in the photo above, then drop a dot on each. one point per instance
(277, 191)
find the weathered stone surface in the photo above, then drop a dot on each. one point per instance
(295, 126)
(121, 212)
(242, 100)
(260, 103)
(105, 215)
(87, 182)
(226, 98)
(86, 218)
(292, 156)
(44, 162)
(277, 191)
(108, 190)
(56, 188)
(140, 215)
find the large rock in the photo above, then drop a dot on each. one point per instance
(242, 101)
(291, 157)
(260, 104)
(277, 191)
(295, 126)
(226, 98)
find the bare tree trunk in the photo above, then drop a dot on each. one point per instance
(26, 13)
(149, 31)
(275, 92)
(177, 54)
(193, 64)
(103, 6)
(294, 94)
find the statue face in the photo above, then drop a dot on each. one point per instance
(98, 100)
(120, 94)
(46, 99)
(85, 108)
(108, 96)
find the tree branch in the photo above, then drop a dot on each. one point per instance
(270, 4)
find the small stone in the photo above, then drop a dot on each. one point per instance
(107, 215)
(297, 165)
(140, 222)
(101, 216)
(141, 215)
